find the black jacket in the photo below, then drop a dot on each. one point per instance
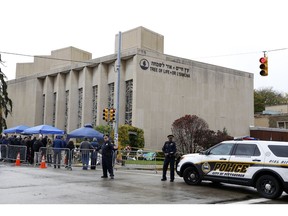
(107, 149)
(37, 145)
(169, 149)
(70, 145)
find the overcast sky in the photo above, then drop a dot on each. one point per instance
(235, 31)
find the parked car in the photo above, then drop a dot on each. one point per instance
(260, 164)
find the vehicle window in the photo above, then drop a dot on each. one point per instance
(222, 149)
(279, 150)
(247, 150)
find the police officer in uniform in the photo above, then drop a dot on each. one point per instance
(169, 150)
(107, 155)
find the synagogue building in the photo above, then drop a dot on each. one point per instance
(155, 89)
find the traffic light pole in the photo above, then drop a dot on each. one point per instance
(264, 65)
(118, 90)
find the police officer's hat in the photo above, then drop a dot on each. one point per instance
(170, 135)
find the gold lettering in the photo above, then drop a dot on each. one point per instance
(217, 166)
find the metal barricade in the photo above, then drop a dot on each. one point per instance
(137, 159)
(13, 150)
(56, 157)
(37, 158)
(3, 152)
(86, 158)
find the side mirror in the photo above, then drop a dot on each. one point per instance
(204, 152)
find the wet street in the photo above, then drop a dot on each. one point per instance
(32, 185)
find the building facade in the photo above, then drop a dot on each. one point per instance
(155, 89)
(275, 116)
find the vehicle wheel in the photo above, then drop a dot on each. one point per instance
(191, 176)
(268, 187)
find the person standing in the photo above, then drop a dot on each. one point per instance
(70, 145)
(45, 141)
(49, 151)
(107, 155)
(30, 152)
(57, 148)
(94, 153)
(37, 145)
(169, 150)
(85, 148)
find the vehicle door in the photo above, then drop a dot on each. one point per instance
(215, 160)
(244, 162)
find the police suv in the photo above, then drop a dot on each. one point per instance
(260, 164)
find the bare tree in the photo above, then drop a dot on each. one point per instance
(207, 138)
(185, 130)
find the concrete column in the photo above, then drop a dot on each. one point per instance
(102, 92)
(48, 91)
(60, 98)
(87, 97)
(38, 105)
(73, 101)
(122, 95)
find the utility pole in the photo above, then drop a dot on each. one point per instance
(118, 90)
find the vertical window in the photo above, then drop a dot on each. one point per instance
(128, 102)
(110, 95)
(66, 109)
(43, 108)
(94, 104)
(54, 108)
(80, 100)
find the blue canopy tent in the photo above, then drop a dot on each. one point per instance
(86, 131)
(16, 129)
(43, 129)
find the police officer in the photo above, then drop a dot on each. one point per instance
(169, 150)
(107, 155)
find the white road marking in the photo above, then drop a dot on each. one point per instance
(251, 201)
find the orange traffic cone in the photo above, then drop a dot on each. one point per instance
(43, 163)
(17, 163)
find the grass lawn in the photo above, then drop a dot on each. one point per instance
(144, 162)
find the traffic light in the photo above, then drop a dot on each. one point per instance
(112, 114)
(105, 114)
(264, 66)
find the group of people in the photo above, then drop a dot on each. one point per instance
(33, 144)
(89, 150)
(37, 147)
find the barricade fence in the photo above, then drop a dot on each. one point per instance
(10, 152)
(137, 159)
(56, 157)
(90, 158)
(3, 152)
(85, 158)
(64, 157)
